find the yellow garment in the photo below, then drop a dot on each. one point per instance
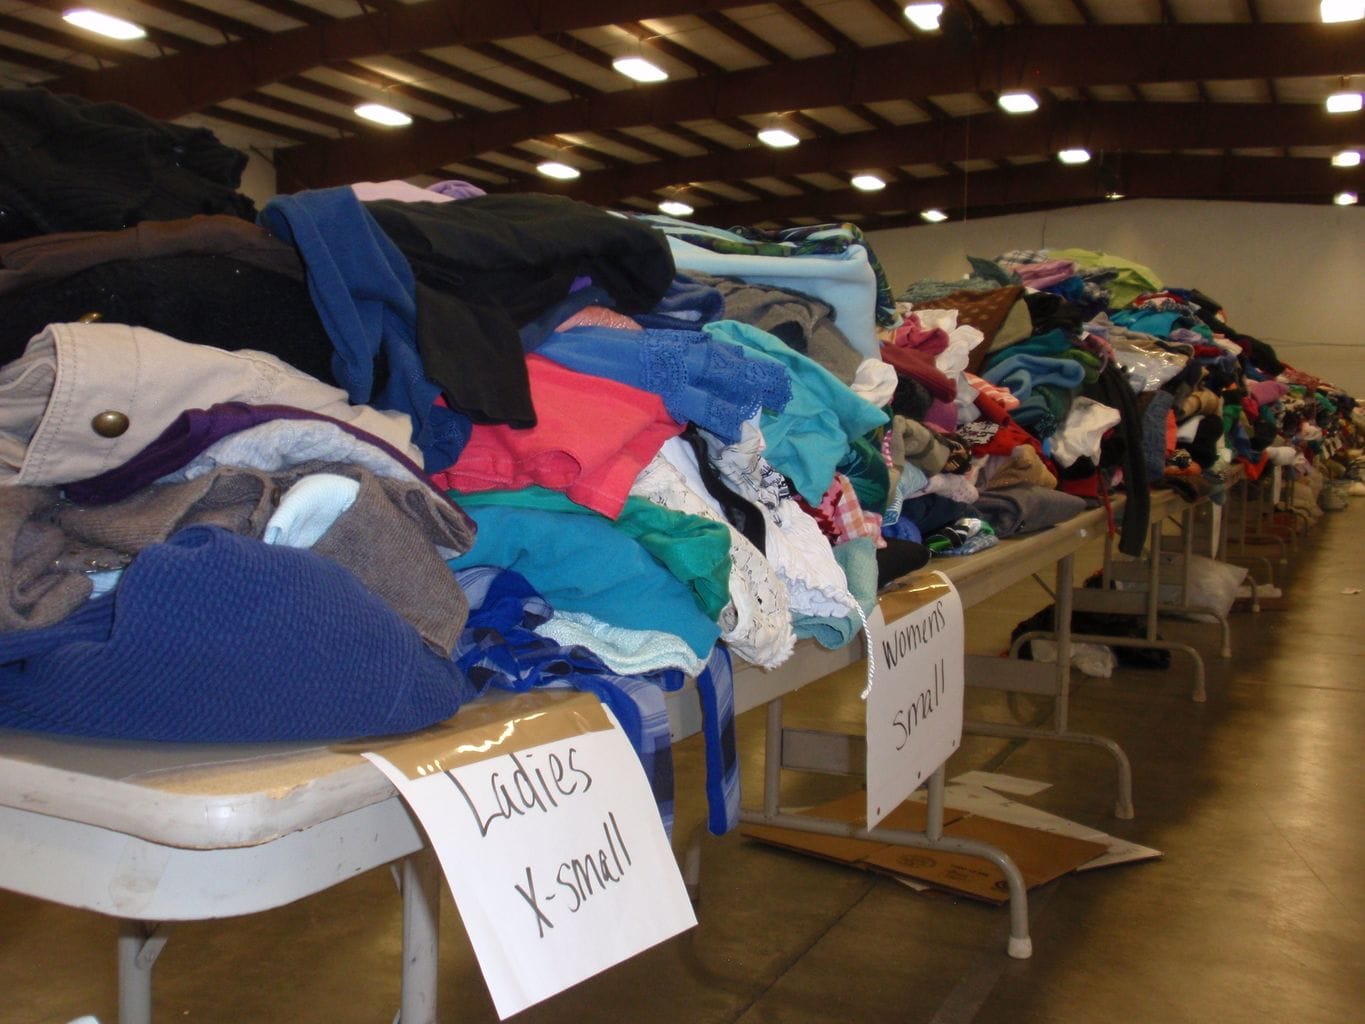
(1133, 278)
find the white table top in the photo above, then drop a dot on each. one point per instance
(204, 796)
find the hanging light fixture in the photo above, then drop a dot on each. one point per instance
(933, 216)
(380, 114)
(924, 16)
(777, 134)
(1074, 156)
(867, 183)
(1346, 158)
(1341, 10)
(103, 24)
(636, 67)
(1343, 103)
(1018, 102)
(675, 208)
(1346, 199)
(556, 169)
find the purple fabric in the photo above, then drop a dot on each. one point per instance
(191, 433)
(456, 189)
(943, 415)
(1043, 274)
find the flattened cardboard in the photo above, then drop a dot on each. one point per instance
(841, 849)
(1040, 856)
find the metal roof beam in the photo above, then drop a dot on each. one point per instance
(1142, 176)
(184, 83)
(1101, 127)
(999, 59)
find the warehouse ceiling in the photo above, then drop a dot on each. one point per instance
(1193, 99)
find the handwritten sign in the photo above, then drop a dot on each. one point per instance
(914, 710)
(549, 837)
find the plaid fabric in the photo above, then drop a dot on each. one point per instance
(841, 517)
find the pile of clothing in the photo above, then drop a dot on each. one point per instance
(1107, 379)
(337, 467)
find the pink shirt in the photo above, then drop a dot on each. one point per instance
(591, 439)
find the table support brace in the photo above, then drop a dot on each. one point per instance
(1019, 946)
(139, 944)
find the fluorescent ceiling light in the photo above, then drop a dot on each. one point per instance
(933, 216)
(778, 138)
(867, 183)
(924, 16)
(380, 114)
(676, 208)
(1342, 10)
(639, 69)
(1346, 158)
(555, 169)
(103, 24)
(1018, 102)
(1346, 199)
(1343, 103)
(1074, 156)
(1113, 195)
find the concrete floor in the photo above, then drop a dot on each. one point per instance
(1256, 913)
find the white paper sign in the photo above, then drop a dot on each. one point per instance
(914, 711)
(555, 855)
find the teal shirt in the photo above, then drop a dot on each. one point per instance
(695, 550)
(581, 563)
(811, 436)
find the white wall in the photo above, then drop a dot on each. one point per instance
(1291, 275)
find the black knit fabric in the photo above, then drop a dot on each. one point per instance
(488, 265)
(67, 164)
(1051, 312)
(205, 300)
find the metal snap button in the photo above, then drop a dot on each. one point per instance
(110, 423)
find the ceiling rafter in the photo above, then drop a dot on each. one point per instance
(1101, 127)
(298, 82)
(292, 9)
(492, 106)
(895, 13)
(818, 25)
(697, 139)
(736, 32)
(510, 58)
(32, 61)
(414, 91)
(196, 80)
(299, 110)
(67, 41)
(439, 69)
(689, 58)
(1133, 53)
(1142, 176)
(292, 133)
